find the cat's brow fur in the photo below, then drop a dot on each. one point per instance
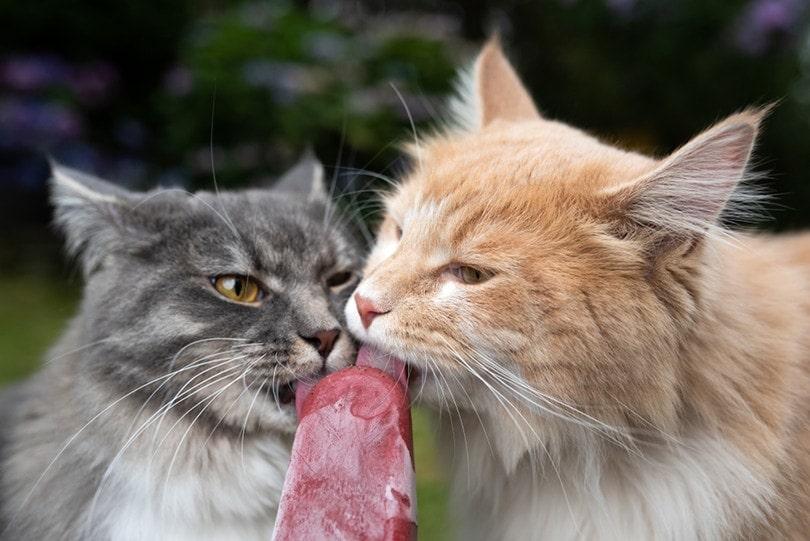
(85, 450)
(631, 370)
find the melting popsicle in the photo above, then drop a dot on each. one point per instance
(351, 474)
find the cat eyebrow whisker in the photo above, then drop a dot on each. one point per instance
(410, 119)
(165, 191)
(366, 173)
(214, 169)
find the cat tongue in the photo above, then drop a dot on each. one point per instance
(302, 390)
(367, 356)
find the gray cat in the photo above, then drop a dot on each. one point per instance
(166, 410)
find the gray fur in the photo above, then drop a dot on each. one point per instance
(211, 471)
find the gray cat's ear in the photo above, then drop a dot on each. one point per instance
(306, 178)
(90, 212)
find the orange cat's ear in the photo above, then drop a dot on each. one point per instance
(492, 91)
(689, 190)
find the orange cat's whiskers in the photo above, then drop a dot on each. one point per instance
(551, 405)
(509, 407)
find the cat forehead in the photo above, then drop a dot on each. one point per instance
(543, 152)
(256, 230)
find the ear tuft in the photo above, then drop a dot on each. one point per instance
(306, 178)
(490, 90)
(501, 94)
(88, 211)
(689, 190)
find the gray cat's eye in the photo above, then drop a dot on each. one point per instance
(238, 288)
(339, 279)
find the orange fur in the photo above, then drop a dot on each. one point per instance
(623, 342)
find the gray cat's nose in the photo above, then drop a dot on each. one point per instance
(323, 341)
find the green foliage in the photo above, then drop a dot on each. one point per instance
(280, 78)
(33, 313)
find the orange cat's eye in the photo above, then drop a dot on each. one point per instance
(238, 288)
(469, 275)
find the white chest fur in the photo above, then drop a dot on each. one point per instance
(216, 493)
(699, 489)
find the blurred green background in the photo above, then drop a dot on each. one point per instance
(152, 92)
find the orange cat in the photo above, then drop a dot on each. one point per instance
(609, 362)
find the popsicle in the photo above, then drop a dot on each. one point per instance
(351, 474)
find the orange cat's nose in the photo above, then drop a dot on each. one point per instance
(367, 309)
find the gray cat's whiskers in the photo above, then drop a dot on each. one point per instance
(229, 408)
(70, 440)
(202, 341)
(226, 359)
(159, 414)
(216, 395)
(181, 396)
(244, 425)
(206, 360)
(78, 349)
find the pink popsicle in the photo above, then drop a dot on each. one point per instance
(351, 474)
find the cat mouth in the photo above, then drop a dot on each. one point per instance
(371, 356)
(412, 373)
(284, 393)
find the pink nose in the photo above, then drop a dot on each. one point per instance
(367, 309)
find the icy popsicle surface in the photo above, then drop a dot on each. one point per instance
(351, 474)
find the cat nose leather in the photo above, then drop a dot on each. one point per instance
(367, 309)
(323, 341)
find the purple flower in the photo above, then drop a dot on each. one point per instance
(325, 46)
(286, 79)
(79, 155)
(178, 81)
(764, 20)
(623, 8)
(25, 123)
(27, 73)
(92, 82)
(130, 133)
